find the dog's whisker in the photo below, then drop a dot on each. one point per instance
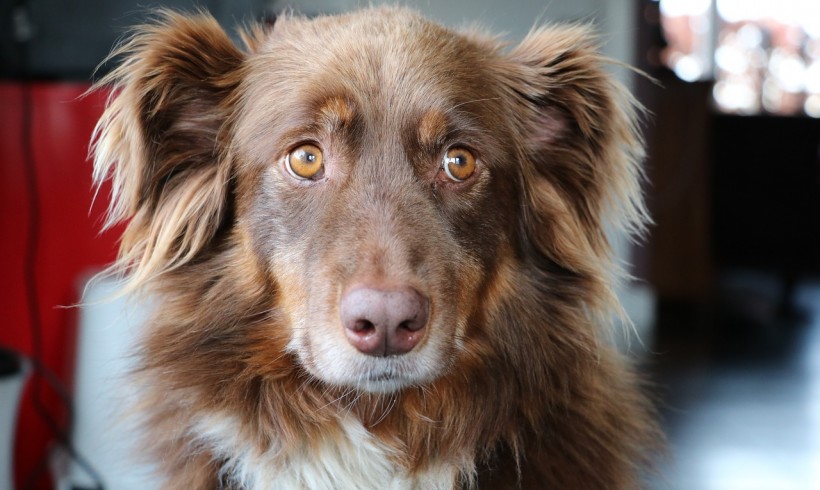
(474, 101)
(392, 403)
(327, 393)
(349, 407)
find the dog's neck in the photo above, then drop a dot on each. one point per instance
(351, 457)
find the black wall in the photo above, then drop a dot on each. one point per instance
(69, 38)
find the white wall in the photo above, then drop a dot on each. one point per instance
(514, 18)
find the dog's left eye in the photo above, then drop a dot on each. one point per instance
(459, 164)
(305, 162)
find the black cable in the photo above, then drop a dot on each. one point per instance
(61, 434)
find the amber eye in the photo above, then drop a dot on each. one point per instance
(305, 162)
(459, 164)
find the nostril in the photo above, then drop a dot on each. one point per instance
(363, 326)
(412, 325)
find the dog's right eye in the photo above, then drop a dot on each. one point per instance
(305, 162)
(459, 164)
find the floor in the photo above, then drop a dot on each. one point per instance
(741, 402)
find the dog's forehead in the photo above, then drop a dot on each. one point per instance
(402, 81)
(391, 58)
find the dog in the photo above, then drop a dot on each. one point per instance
(378, 251)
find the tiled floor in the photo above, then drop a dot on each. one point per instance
(749, 420)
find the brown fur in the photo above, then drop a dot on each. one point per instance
(516, 262)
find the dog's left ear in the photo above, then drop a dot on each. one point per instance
(162, 140)
(582, 149)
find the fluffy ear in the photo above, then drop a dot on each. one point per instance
(161, 141)
(582, 147)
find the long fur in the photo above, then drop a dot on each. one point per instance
(248, 382)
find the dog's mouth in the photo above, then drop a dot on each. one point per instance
(388, 374)
(384, 383)
(394, 376)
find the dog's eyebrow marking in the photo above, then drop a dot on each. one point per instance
(336, 112)
(433, 127)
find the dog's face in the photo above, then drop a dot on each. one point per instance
(378, 184)
(391, 179)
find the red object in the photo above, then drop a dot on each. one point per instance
(70, 247)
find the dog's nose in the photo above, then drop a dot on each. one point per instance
(384, 322)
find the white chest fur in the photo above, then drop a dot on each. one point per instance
(356, 460)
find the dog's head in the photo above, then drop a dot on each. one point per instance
(392, 180)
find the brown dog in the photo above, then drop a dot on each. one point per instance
(379, 253)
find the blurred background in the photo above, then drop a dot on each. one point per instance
(725, 297)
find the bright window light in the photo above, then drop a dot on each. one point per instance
(763, 55)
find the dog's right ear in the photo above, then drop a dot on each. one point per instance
(582, 152)
(162, 140)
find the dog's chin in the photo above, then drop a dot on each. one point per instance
(387, 384)
(382, 375)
